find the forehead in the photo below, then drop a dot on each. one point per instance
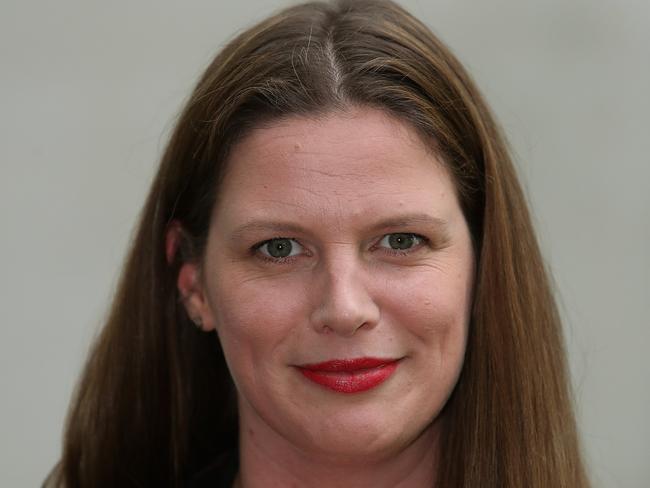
(338, 140)
(353, 163)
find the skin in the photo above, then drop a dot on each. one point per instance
(338, 185)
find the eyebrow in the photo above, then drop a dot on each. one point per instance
(281, 228)
(409, 220)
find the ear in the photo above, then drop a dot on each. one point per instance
(172, 240)
(189, 283)
(192, 291)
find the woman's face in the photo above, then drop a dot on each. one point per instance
(334, 241)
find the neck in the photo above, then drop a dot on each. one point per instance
(267, 460)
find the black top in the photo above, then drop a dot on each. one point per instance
(220, 474)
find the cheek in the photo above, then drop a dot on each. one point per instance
(432, 307)
(254, 317)
(429, 300)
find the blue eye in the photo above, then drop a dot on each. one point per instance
(280, 248)
(401, 241)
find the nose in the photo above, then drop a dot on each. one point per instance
(343, 302)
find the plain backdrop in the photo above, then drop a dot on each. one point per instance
(89, 91)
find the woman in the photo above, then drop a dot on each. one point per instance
(338, 216)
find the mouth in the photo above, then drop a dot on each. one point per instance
(350, 375)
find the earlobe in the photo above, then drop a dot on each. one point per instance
(191, 290)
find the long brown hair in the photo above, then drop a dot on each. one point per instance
(156, 403)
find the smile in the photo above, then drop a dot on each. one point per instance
(350, 375)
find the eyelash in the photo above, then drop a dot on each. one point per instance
(403, 252)
(256, 247)
(422, 241)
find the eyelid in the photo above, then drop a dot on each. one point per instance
(420, 241)
(259, 246)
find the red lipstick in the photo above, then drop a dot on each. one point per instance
(350, 375)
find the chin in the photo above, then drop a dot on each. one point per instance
(366, 438)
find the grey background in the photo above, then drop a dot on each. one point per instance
(89, 92)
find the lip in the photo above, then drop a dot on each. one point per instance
(350, 375)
